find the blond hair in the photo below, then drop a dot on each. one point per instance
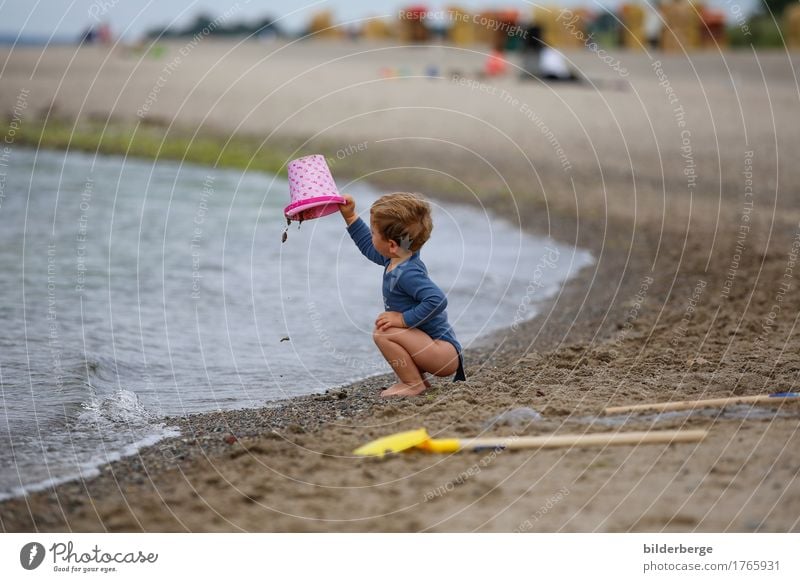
(404, 218)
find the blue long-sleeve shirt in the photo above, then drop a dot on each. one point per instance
(408, 289)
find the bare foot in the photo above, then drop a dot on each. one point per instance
(415, 390)
(401, 389)
(394, 389)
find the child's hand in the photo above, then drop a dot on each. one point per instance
(348, 209)
(389, 319)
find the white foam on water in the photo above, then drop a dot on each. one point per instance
(118, 426)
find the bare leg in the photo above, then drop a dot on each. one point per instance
(401, 362)
(411, 353)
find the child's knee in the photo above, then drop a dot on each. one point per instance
(390, 333)
(379, 336)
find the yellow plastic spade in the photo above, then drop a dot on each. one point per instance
(394, 443)
(420, 439)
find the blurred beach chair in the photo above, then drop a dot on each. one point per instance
(377, 29)
(791, 25)
(462, 27)
(632, 33)
(412, 24)
(322, 26)
(712, 29)
(681, 26)
(560, 29)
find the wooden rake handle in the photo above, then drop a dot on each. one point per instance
(691, 404)
(585, 440)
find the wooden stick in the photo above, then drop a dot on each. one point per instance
(580, 440)
(712, 402)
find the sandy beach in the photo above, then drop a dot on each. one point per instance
(679, 177)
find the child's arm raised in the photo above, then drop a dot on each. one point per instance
(360, 232)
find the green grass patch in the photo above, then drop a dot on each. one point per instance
(158, 143)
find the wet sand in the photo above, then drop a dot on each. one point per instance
(680, 178)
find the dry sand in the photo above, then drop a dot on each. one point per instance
(672, 309)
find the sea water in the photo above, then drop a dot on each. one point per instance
(135, 290)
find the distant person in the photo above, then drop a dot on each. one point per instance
(413, 333)
(553, 66)
(531, 50)
(89, 35)
(104, 33)
(653, 26)
(495, 65)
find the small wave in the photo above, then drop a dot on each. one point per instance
(123, 407)
(107, 430)
(91, 468)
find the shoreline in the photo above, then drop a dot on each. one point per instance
(631, 329)
(279, 410)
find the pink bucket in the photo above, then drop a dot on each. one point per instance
(312, 189)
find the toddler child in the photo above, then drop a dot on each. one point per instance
(413, 333)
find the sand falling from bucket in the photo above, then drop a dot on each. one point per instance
(285, 234)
